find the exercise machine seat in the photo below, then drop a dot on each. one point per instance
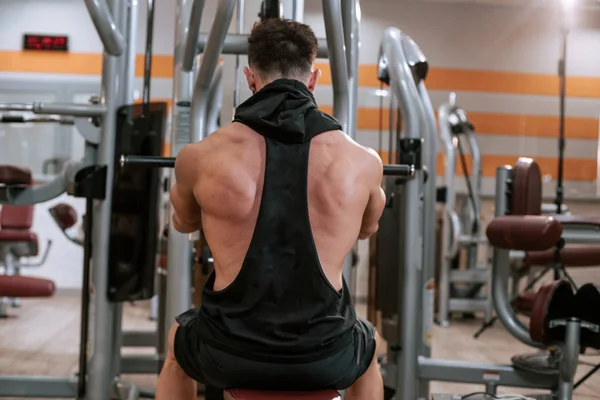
(15, 236)
(16, 217)
(525, 301)
(25, 286)
(524, 232)
(526, 199)
(526, 194)
(557, 301)
(64, 215)
(11, 175)
(572, 255)
(242, 394)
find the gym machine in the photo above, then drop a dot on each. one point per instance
(190, 100)
(461, 228)
(408, 313)
(92, 179)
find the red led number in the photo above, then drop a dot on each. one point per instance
(38, 42)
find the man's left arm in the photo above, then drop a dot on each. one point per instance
(187, 216)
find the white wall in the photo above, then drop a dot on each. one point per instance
(462, 35)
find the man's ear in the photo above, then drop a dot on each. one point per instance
(314, 79)
(250, 79)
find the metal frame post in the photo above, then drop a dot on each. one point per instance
(403, 85)
(500, 272)
(429, 237)
(338, 62)
(107, 29)
(332, 14)
(179, 248)
(447, 225)
(210, 58)
(100, 377)
(298, 10)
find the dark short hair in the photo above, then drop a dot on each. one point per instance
(282, 48)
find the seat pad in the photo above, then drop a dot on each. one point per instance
(17, 235)
(524, 232)
(554, 301)
(25, 286)
(525, 301)
(242, 394)
(11, 175)
(64, 215)
(587, 303)
(572, 255)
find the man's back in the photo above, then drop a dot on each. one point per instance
(282, 195)
(231, 167)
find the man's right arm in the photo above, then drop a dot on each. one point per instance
(376, 204)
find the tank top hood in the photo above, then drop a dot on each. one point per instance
(286, 111)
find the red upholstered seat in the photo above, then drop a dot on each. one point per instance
(64, 215)
(525, 301)
(25, 286)
(572, 255)
(11, 175)
(241, 394)
(16, 217)
(16, 235)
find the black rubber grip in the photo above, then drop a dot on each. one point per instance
(12, 119)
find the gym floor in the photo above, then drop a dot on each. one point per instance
(43, 339)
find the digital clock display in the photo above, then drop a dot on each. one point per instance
(45, 42)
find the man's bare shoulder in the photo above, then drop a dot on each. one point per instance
(368, 158)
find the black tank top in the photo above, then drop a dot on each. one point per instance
(280, 307)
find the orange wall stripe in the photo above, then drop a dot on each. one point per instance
(438, 79)
(75, 63)
(496, 123)
(458, 79)
(574, 169)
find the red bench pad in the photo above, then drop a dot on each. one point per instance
(240, 394)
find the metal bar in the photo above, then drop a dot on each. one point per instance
(190, 39)
(403, 85)
(581, 235)
(332, 13)
(215, 94)
(447, 228)
(140, 364)
(568, 364)
(69, 109)
(26, 119)
(458, 371)
(210, 58)
(132, 25)
(298, 10)
(148, 52)
(351, 24)
(429, 236)
(140, 339)
(110, 35)
(178, 299)
(500, 271)
(334, 29)
(16, 107)
(468, 304)
(169, 162)
(237, 44)
(37, 386)
(20, 195)
(238, 65)
(100, 366)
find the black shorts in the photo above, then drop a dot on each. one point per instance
(219, 369)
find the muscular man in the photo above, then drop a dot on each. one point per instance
(282, 196)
